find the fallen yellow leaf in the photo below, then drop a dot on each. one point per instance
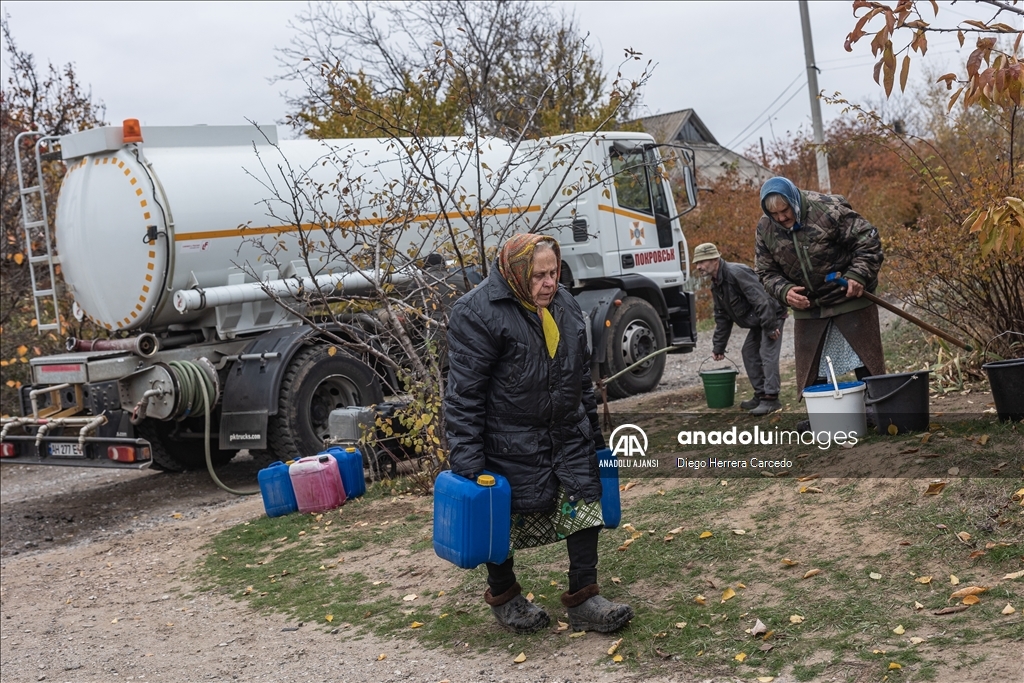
(812, 572)
(983, 440)
(19, 258)
(680, 624)
(700, 600)
(1014, 575)
(810, 489)
(935, 488)
(964, 536)
(614, 647)
(410, 597)
(562, 626)
(796, 619)
(415, 624)
(789, 563)
(617, 658)
(728, 594)
(971, 600)
(1008, 609)
(923, 579)
(114, 620)
(894, 665)
(740, 657)
(899, 630)
(578, 634)
(916, 641)
(874, 576)
(22, 350)
(625, 544)
(765, 679)
(520, 658)
(878, 652)
(739, 532)
(918, 605)
(970, 590)
(381, 657)
(615, 579)
(706, 534)
(953, 580)
(329, 618)
(529, 597)
(629, 486)
(676, 531)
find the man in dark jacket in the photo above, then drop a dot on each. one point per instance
(802, 238)
(740, 298)
(520, 402)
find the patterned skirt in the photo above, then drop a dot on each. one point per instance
(531, 530)
(844, 358)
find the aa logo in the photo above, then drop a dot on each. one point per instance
(629, 441)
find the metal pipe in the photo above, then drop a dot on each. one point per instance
(173, 341)
(90, 426)
(139, 412)
(357, 282)
(14, 422)
(36, 392)
(144, 345)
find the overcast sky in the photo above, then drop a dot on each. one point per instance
(738, 64)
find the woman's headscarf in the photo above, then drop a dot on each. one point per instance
(789, 192)
(515, 263)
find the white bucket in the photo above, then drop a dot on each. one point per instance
(832, 413)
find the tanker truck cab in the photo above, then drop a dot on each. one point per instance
(160, 235)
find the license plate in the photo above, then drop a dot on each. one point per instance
(66, 450)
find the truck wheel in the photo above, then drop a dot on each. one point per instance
(635, 332)
(176, 454)
(315, 384)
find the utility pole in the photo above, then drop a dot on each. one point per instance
(824, 182)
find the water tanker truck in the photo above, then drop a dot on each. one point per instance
(159, 235)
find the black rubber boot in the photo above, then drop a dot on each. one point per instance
(588, 611)
(768, 404)
(751, 403)
(516, 613)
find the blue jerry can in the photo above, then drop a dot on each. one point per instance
(472, 518)
(350, 465)
(276, 488)
(611, 507)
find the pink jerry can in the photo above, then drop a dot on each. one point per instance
(317, 483)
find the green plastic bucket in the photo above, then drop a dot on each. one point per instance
(719, 386)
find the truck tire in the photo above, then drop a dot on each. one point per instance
(315, 384)
(635, 332)
(171, 454)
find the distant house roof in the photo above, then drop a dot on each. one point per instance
(713, 160)
(683, 125)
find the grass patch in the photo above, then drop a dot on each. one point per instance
(869, 539)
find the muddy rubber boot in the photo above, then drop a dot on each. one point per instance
(751, 403)
(516, 613)
(588, 611)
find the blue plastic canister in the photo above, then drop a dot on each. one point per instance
(350, 465)
(611, 507)
(277, 491)
(472, 518)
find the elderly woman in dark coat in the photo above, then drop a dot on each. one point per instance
(520, 402)
(802, 238)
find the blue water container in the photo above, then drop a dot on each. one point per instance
(350, 464)
(472, 518)
(611, 507)
(276, 487)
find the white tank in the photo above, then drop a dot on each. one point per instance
(193, 187)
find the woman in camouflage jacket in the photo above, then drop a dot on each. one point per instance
(803, 237)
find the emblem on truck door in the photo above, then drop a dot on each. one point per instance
(636, 233)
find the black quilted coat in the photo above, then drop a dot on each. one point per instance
(512, 409)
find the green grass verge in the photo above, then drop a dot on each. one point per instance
(291, 566)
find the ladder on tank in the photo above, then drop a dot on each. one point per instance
(35, 220)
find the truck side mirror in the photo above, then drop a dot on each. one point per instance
(690, 184)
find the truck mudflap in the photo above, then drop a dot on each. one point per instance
(596, 303)
(74, 451)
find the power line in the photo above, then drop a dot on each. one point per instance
(781, 94)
